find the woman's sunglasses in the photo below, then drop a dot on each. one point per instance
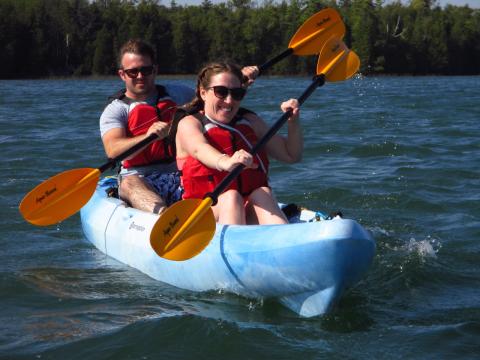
(222, 92)
(145, 70)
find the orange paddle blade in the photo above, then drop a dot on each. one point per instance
(336, 61)
(59, 197)
(315, 31)
(184, 230)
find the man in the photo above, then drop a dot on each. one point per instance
(148, 179)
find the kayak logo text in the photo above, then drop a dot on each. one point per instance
(171, 225)
(46, 194)
(323, 21)
(136, 227)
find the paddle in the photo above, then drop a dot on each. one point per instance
(62, 195)
(311, 36)
(187, 227)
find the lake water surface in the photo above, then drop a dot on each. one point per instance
(401, 155)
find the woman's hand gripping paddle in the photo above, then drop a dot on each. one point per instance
(187, 227)
(311, 36)
(62, 195)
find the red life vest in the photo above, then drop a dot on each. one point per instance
(140, 118)
(198, 179)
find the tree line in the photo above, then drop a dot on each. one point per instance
(42, 38)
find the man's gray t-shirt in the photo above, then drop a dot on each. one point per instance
(115, 114)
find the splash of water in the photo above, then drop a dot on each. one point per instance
(427, 248)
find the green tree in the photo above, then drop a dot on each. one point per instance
(392, 45)
(364, 32)
(184, 44)
(103, 59)
(81, 37)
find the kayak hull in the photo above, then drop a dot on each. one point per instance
(306, 265)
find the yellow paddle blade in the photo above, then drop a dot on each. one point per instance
(315, 31)
(59, 197)
(184, 230)
(336, 61)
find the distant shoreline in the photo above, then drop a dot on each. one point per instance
(193, 76)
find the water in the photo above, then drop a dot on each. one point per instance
(400, 155)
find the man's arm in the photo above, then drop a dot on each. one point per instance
(115, 141)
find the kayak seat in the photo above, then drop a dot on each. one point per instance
(112, 192)
(112, 189)
(291, 210)
(334, 214)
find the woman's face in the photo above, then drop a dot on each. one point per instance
(218, 106)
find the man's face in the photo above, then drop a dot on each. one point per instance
(138, 75)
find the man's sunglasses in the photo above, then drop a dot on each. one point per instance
(145, 70)
(222, 92)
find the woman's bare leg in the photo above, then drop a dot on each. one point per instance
(229, 208)
(262, 208)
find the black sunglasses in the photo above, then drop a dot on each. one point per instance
(222, 92)
(145, 70)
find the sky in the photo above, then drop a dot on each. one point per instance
(471, 3)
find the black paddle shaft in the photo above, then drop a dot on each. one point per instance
(318, 81)
(273, 61)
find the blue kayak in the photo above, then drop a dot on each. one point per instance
(306, 265)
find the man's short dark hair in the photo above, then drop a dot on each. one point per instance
(138, 47)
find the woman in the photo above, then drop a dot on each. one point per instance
(217, 137)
